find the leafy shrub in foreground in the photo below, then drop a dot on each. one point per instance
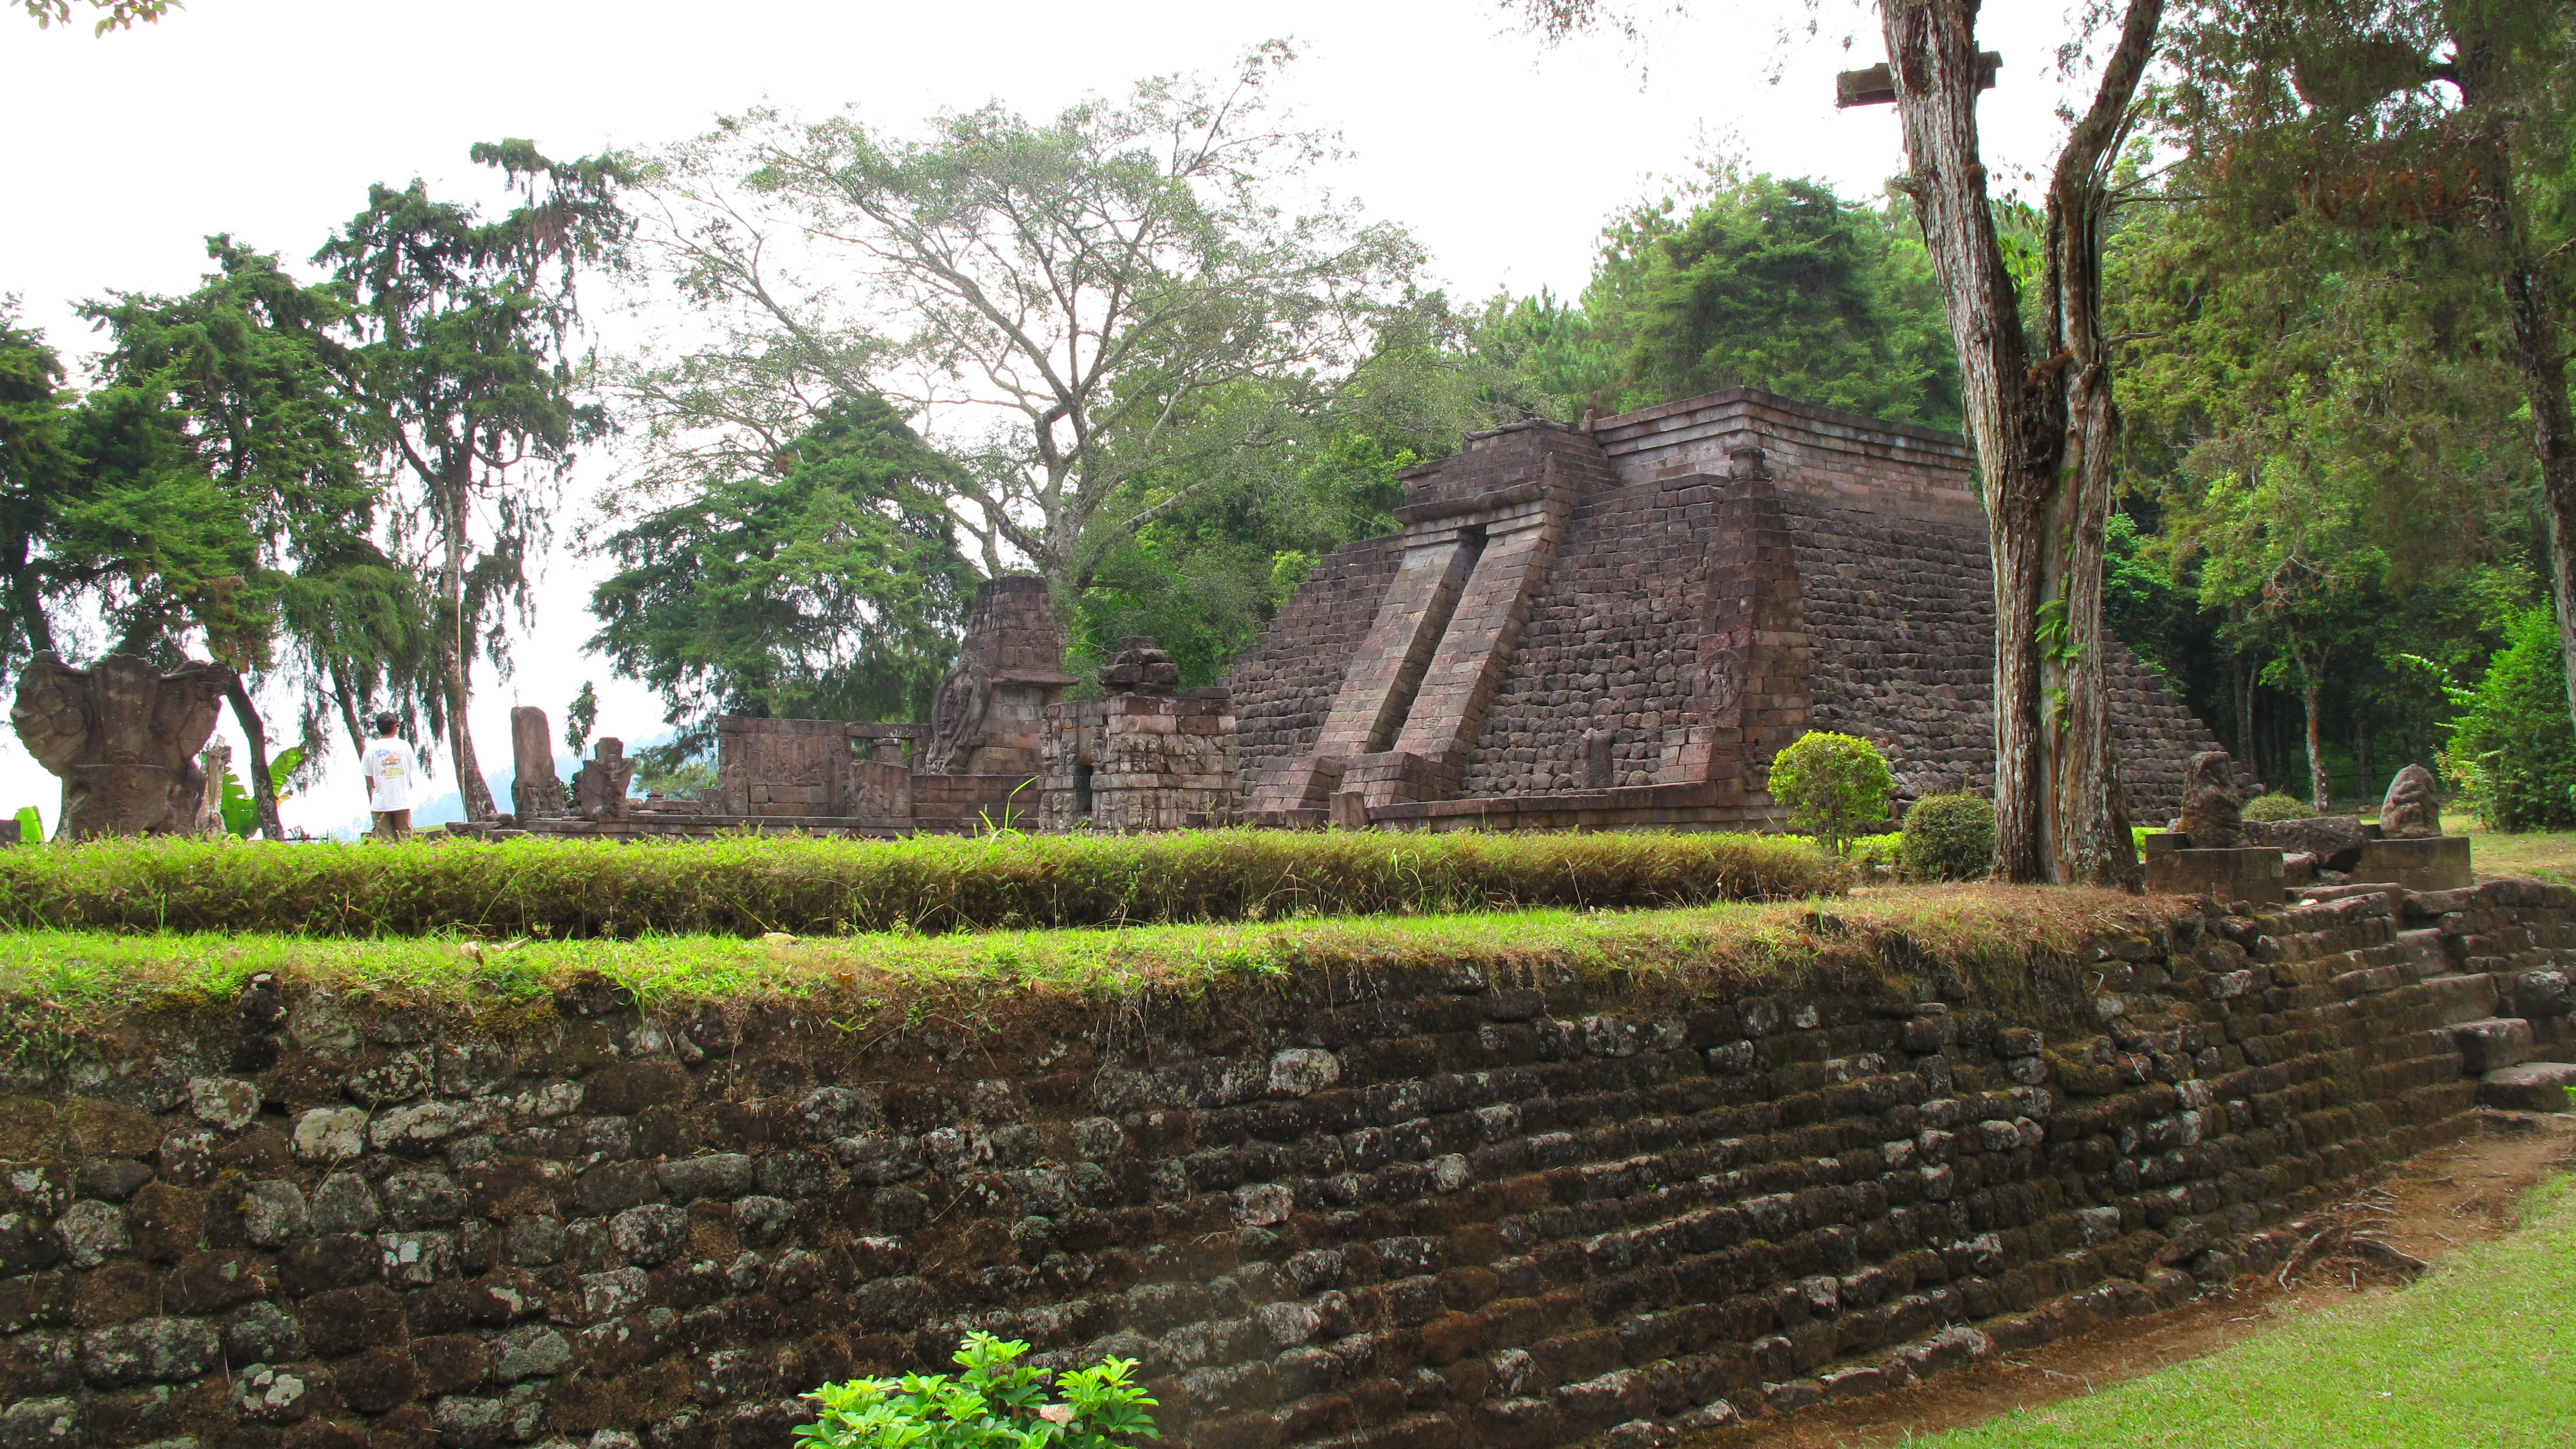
(2274, 805)
(2514, 755)
(997, 1403)
(813, 886)
(1949, 837)
(1833, 785)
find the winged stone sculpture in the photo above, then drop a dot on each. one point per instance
(124, 737)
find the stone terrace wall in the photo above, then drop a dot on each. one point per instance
(1498, 1207)
(1283, 686)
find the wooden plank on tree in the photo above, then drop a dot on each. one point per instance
(1875, 87)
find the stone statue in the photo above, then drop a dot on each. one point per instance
(212, 765)
(2410, 812)
(2209, 806)
(124, 738)
(957, 717)
(599, 787)
(1140, 667)
(1596, 759)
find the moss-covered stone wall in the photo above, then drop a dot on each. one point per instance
(1493, 1204)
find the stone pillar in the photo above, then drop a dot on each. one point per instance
(1010, 667)
(214, 764)
(535, 791)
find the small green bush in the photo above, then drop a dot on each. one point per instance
(2274, 805)
(2513, 758)
(1833, 785)
(997, 1403)
(1949, 837)
(815, 886)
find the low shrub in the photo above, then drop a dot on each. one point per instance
(1833, 784)
(997, 1403)
(814, 886)
(1948, 837)
(2274, 805)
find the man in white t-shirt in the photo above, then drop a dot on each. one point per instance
(391, 765)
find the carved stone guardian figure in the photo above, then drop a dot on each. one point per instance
(124, 738)
(2410, 812)
(599, 787)
(2209, 806)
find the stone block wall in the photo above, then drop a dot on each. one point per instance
(1499, 1204)
(1137, 761)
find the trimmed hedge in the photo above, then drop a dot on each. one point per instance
(817, 886)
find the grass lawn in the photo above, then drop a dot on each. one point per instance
(2477, 1354)
(2546, 855)
(2012, 939)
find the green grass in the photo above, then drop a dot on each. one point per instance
(57, 983)
(2477, 1354)
(2542, 855)
(748, 885)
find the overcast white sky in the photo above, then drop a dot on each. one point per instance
(268, 118)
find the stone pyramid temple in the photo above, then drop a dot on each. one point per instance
(1621, 625)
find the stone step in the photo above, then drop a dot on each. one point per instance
(2425, 957)
(2498, 1041)
(2528, 1087)
(2467, 997)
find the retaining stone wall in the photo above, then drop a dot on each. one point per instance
(1497, 1206)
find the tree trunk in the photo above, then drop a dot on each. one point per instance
(2361, 752)
(263, 790)
(2042, 433)
(2245, 714)
(2538, 353)
(28, 601)
(2309, 691)
(455, 665)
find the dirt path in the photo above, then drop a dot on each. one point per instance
(2441, 1201)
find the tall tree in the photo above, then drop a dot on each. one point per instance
(466, 373)
(2039, 409)
(37, 467)
(2325, 423)
(248, 370)
(828, 584)
(1725, 281)
(1091, 284)
(2421, 123)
